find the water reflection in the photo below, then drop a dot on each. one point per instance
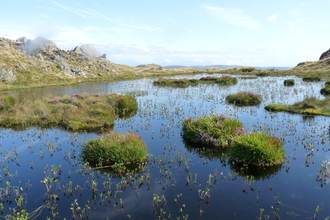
(255, 172)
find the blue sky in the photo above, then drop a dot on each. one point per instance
(178, 32)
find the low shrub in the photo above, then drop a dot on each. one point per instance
(119, 149)
(258, 149)
(311, 78)
(244, 99)
(211, 131)
(289, 82)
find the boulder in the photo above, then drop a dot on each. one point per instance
(7, 75)
(87, 50)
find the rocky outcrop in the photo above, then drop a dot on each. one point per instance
(7, 75)
(36, 46)
(325, 55)
(88, 51)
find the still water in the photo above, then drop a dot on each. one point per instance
(43, 166)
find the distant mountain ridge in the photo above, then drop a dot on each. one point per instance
(224, 67)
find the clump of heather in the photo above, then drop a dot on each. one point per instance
(211, 131)
(244, 99)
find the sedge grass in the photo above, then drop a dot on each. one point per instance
(211, 131)
(244, 99)
(115, 149)
(310, 106)
(258, 149)
(75, 112)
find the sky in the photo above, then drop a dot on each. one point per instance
(178, 32)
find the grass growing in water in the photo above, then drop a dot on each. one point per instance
(325, 90)
(258, 149)
(289, 82)
(311, 78)
(310, 106)
(118, 149)
(74, 112)
(223, 80)
(211, 131)
(244, 99)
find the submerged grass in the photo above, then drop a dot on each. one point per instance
(75, 112)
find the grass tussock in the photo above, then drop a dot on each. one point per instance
(289, 82)
(244, 99)
(75, 112)
(115, 149)
(258, 149)
(310, 106)
(212, 131)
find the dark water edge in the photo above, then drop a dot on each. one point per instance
(176, 177)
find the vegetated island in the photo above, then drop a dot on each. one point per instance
(216, 132)
(310, 106)
(120, 152)
(76, 112)
(223, 80)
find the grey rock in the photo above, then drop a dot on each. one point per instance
(325, 54)
(87, 50)
(7, 75)
(48, 69)
(37, 45)
(301, 63)
(39, 56)
(22, 66)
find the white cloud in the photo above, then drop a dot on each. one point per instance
(272, 18)
(233, 16)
